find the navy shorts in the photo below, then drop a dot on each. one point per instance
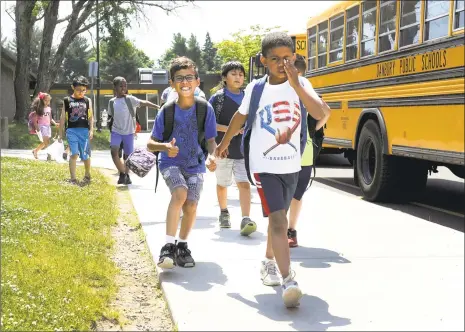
(276, 191)
(304, 179)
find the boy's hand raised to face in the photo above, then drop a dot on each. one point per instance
(171, 149)
(292, 73)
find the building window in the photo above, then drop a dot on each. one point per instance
(409, 22)
(312, 48)
(368, 28)
(459, 14)
(336, 38)
(352, 32)
(436, 19)
(322, 44)
(387, 25)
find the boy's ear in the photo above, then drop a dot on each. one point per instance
(172, 84)
(263, 60)
(198, 81)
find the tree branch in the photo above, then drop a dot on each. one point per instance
(84, 28)
(64, 19)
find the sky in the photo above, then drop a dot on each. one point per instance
(219, 18)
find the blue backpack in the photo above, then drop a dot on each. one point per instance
(253, 108)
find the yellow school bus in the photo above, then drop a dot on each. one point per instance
(300, 43)
(393, 74)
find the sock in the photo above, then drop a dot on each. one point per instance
(181, 240)
(245, 217)
(268, 260)
(170, 239)
(224, 210)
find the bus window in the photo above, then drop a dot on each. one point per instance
(368, 28)
(312, 48)
(436, 19)
(336, 36)
(459, 14)
(409, 22)
(322, 44)
(387, 25)
(352, 33)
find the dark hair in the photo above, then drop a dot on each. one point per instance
(276, 39)
(227, 67)
(80, 81)
(300, 63)
(117, 80)
(180, 63)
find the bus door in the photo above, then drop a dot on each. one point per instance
(256, 68)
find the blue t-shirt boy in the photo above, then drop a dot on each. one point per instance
(186, 134)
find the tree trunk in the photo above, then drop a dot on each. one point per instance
(24, 24)
(44, 80)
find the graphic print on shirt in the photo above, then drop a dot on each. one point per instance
(280, 121)
(185, 133)
(78, 110)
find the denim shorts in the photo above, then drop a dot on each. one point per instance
(175, 177)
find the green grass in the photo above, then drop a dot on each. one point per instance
(21, 139)
(57, 273)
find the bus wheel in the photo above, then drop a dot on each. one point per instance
(376, 172)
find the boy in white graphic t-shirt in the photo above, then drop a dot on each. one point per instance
(274, 154)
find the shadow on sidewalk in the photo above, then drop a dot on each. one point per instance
(316, 257)
(229, 235)
(198, 279)
(312, 315)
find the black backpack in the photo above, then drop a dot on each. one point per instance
(201, 106)
(317, 137)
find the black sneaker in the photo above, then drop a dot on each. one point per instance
(167, 253)
(122, 178)
(183, 256)
(127, 179)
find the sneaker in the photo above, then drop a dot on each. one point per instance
(122, 178)
(291, 291)
(167, 253)
(292, 238)
(269, 273)
(127, 179)
(183, 256)
(85, 181)
(225, 220)
(49, 157)
(248, 226)
(65, 156)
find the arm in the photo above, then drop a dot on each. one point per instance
(146, 103)
(221, 128)
(91, 120)
(211, 146)
(237, 122)
(154, 145)
(62, 123)
(322, 122)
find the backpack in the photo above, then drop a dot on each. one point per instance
(141, 161)
(253, 108)
(201, 107)
(317, 137)
(66, 101)
(218, 101)
(131, 111)
(32, 118)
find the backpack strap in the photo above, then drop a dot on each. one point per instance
(168, 119)
(218, 101)
(201, 107)
(129, 104)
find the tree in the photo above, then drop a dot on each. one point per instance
(242, 45)
(115, 15)
(36, 42)
(76, 61)
(178, 48)
(194, 53)
(210, 58)
(123, 62)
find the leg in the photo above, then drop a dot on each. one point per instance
(223, 181)
(72, 167)
(243, 184)
(195, 185)
(84, 152)
(178, 188)
(296, 204)
(115, 141)
(128, 143)
(73, 145)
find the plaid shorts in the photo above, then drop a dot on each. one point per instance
(176, 177)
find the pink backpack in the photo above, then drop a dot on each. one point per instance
(31, 123)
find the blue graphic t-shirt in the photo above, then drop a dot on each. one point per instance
(186, 135)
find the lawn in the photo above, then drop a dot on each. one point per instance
(21, 139)
(57, 273)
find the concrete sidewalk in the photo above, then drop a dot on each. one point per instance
(361, 266)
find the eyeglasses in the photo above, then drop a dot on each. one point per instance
(188, 78)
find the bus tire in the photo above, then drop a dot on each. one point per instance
(376, 172)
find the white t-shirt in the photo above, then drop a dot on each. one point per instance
(279, 109)
(123, 123)
(173, 95)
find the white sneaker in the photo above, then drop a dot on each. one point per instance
(269, 273)
(291, 291)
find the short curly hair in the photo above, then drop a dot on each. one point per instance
(180, 63)
(276, 39)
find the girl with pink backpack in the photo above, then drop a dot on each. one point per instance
(40, 120)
